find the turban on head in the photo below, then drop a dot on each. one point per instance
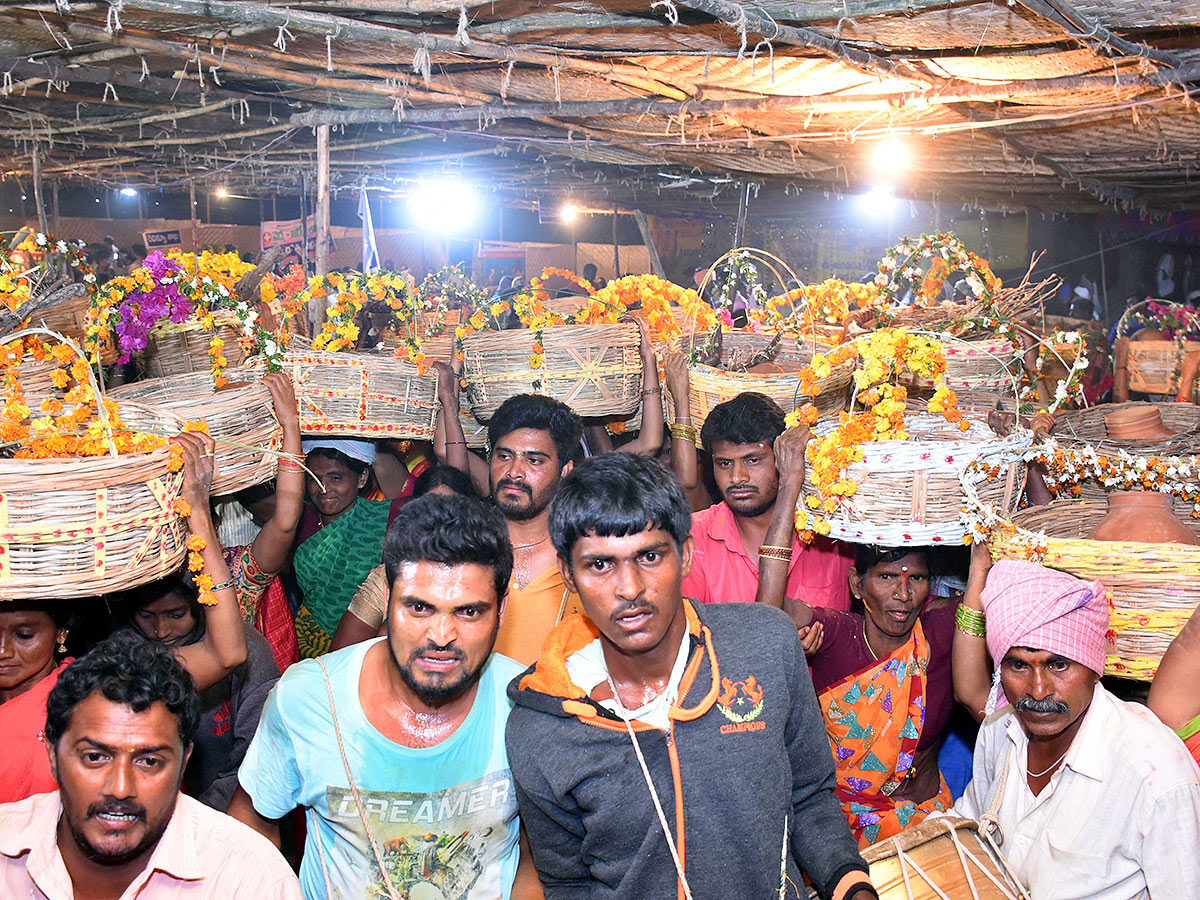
(363, 451)
(1028, 605)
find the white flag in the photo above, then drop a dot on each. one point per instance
(370, 255)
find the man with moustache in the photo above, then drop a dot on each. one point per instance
(1088, 797)
(535, 442)
(394, 747)
(119, 730)
(739, 436)
(662, 747)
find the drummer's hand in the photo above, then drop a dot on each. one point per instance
(1043, 424)
(811, 638)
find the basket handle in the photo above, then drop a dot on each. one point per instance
(97, 392)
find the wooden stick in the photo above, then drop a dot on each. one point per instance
(39, 200)
(322, 200)
(656, 265)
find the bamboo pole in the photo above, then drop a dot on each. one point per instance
(643, 225)
(322, 200)
(54, 207)
(38, 199)
(192, 215)
(616, 246)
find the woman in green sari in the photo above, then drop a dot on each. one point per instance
(340, 539)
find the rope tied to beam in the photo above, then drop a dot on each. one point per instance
(506, 79)
(422, 62)
(283, 37)
(461, 34)
(113, 20)
(329, 53)
(669, 10)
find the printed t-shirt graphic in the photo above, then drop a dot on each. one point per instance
(444, 817)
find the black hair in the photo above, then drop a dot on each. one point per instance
(868, 556)
(180, 584)
(748, 418)
(357, 466)
(592, 268)
(448, 476)
(128, 669)
(451, 530)
(615, 495)
(542, 414)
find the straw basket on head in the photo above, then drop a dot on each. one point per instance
(940, 858)
(240, 417)
(1086, 426)
(183, 349)
(977, 364)
(69, 318)
(85, 526)
(594, 369)
(710, 385)
(1154, 365)
(1153, 587)
(909, 492)
(371, 395)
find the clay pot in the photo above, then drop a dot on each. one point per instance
(1138, 422)
(1145, 517)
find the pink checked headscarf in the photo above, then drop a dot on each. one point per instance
(1028, 605)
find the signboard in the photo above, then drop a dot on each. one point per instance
(162, 240)
(289, 233)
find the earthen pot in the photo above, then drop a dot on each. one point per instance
(1137, 422)
(1145, 517)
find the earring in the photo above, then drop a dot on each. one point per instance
(62, 643)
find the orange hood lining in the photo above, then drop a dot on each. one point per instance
(549, 675)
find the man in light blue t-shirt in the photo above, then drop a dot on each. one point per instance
(395, 746)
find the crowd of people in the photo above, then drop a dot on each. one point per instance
(561, 669)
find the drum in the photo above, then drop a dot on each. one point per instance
(943, 858)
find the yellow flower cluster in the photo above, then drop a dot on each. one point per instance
(663, 305)
(351, 293)
(222, 268)
(824, 304)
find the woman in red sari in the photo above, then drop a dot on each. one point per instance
(33, 654)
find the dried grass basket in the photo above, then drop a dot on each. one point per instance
(940, 858)
(976, 364)
(710, 385)
(594, 369)
(240, 416)
(910, 492)
(1152, 365)
(371, 395)
(1153, 588)
(69, 318)
(82, 527)
(183, 349)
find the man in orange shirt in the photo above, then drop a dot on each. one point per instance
(739, 435)
(119, 729)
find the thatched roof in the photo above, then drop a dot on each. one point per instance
(1059, 104)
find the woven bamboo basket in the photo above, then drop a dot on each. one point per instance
(1153, 588)
(240, 416)
(82, 527)
(1152, 365)
(594, 369)
(909, 492)
(710, 385)
(183, 349)
(979, 364)
(972, 404)
(69, 318)
(372, 395)
(474, 431)
(940, 858)
(1086, 426)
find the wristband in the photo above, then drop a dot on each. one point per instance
(223, 586)
(768, 552)
(970, 621)
(646, 392)
(682, 432)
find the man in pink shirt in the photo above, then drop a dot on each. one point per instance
(739, 436)
(119, 729)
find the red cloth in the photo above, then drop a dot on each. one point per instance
(723, 572)
(844, 653)
(273, 619)
(1193, 744)
(24, 766)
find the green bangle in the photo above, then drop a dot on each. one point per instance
(970, 621)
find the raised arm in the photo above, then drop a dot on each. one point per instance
(1175, 693)
(683, 447)
(972, 674)
(273, 543)
(449, 441)
(650, 438)
(781, 530)
(223, 647)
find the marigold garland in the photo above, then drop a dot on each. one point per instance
(353, 292)
(20, 278)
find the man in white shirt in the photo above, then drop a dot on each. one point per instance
(1091, 798)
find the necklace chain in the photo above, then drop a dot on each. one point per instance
(1053, 766)
(534, 544)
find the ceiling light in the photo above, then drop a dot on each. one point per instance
(569, 212)
(891, 155)
(128, 192)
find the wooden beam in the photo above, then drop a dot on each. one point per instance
(1095, 35)
(38, 199)
(322, 200)
(643, 225)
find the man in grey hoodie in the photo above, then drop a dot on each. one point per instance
(661, 747)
